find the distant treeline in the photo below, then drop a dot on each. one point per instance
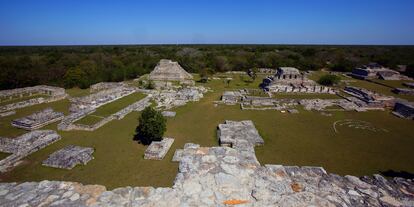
(81, 66)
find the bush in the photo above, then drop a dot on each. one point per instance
(152, 126)
(329, 80)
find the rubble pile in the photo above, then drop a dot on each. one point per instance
(38, 119)
(167, 99)
(24, 145)
(69, 157)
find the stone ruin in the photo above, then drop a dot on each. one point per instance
(7, 113)
(233, 132)
(167, 70)
(409, 84)
(168, 113)
(100, 98)
(224, 176)
(24, 145)
(231, 97)
(167, 99)
(291, 80)
(68, 123)
(158, 150)
(38, 119)
(69, 156)
(324, 104)
(403, 91)
(53, 93)
(372, 100)
(404, 109)
(248, 102)
(105, 86)
(266, 103)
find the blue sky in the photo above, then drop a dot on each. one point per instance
(79, 22)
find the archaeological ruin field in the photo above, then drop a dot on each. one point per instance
(305, 139)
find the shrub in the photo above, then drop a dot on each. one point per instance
(152, 126)
(329, 80)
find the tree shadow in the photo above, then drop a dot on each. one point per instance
(402, 174)
(141, 140)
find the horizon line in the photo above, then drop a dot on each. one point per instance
(195, 44)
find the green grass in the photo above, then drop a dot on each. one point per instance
(300, 139)
(3, 155)
(89, 120)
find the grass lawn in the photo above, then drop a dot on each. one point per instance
(301, 139)
(3, 155)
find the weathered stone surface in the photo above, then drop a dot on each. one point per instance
(24, 145)
(168, 113)
(158, 150)
(69, 157)
(38, 119)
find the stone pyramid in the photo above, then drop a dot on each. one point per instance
(167, 70)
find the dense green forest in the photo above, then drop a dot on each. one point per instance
(81, 66)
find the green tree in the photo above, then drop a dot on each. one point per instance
(329, 80)
(152, 126)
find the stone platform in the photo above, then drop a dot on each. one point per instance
(69, 157)
(158, 150)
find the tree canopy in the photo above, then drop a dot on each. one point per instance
(81, 66)
(152, 126)
(329, 80)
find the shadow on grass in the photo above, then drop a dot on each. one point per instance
(402, 174)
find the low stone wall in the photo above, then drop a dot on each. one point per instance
(137, 106)
(24, 145)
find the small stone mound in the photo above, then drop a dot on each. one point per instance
(158, 150)
(69, 157)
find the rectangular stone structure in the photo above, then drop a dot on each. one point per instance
(158, 150)
(231, 131)
(69, 156)
(38, 119)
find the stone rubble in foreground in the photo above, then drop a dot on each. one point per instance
(224, 176)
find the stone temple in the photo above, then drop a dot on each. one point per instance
(167, 70)
(69, 157)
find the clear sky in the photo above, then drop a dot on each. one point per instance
(79, 22)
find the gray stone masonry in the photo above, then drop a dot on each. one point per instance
(231, 131)
(69, 156)
(158, 150)
(169, 113)
(38, 119)
(24, 145)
